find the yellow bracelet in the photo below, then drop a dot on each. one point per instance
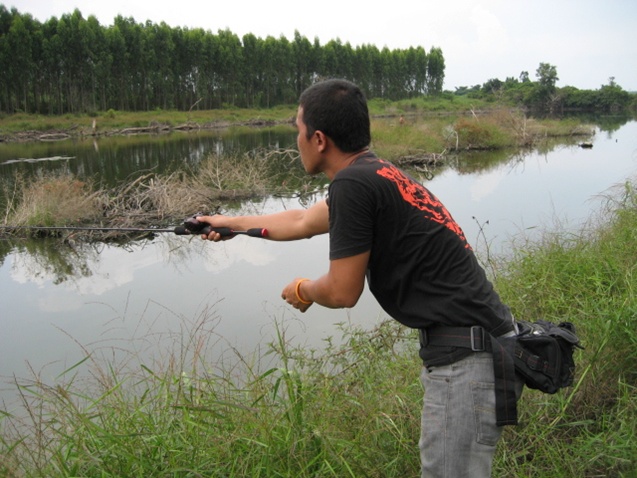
(298, 295)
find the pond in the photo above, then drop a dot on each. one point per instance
(116, 158)
(142, 300)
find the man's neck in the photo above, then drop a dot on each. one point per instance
(341, 160)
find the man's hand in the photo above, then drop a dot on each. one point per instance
(217, 220)
(293, 294)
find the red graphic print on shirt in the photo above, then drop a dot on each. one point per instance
(419, 197)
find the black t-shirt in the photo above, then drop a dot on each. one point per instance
(421, 270)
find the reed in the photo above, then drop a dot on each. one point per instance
(58, 199)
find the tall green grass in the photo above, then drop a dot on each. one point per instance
(351, 410)
(352, 407)
(589, 279)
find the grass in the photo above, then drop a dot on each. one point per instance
(116, 120)
(352, 407)
(497, 129)
(56, 199)
(449, 124)
(186, 418)
(590, 280)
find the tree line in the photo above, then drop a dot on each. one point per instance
(544, 96)
(76, 65)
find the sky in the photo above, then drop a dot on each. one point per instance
(588, 41)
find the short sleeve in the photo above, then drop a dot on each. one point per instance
(351, 218)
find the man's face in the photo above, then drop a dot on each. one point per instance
(307, 147)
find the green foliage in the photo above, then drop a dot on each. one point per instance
(349, 411)
(547, 76)
(588, 279)
(75, 64)
(543, 96)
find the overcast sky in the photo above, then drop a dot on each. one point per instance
(588, 41)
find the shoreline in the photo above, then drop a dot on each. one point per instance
(76, 132)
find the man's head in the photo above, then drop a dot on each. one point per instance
(337, 108)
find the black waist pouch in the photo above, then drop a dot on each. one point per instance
(540, 353)
(543, 354)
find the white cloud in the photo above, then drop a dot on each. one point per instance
(486, 184)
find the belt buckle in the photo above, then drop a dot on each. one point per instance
(424, 340)
(477, 335)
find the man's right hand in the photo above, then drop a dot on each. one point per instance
(217, 220)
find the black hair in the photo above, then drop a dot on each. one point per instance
(338, 108)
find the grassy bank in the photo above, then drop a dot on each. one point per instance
(22, 126)
(352, 408)
(12, 126)
(428, 125)
(493, 130)
(588, 279)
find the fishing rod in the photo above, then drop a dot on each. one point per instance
(191, 226)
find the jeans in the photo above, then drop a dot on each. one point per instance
(458, 431)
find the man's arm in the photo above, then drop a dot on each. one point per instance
(282, 226)
(343, 284)
(341, 287)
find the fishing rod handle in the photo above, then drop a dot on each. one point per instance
(223, 231)
(193, 226)
(227, 232)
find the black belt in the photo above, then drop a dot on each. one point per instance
(474, 338)
(477, 339)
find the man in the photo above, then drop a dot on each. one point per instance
(389, 229)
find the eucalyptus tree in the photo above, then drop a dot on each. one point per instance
(78, 62)
(365, 59)
(131, 66)
(304, 63)
(416, 67)
(254, 71)
(73, 64)
(189, 80)
(160, 53)
(229, 61)
(17, 63)
(102, 62)
(435, 71)
(284, 72)
(332, 59)
(120, 88)
(383, 74)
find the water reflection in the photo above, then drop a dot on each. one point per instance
(111, 160)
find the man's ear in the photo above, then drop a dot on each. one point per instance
(321, 140)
